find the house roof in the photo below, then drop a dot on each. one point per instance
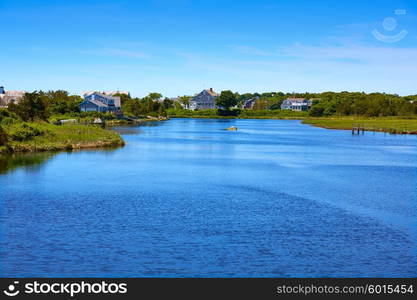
(100, 94)
(296, 99)
(13, 94)
(95, 102)
(7, 98)
(105, 93)
(111, 93)
(116, 99)
(212, 92)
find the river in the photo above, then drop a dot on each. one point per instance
(186, 198)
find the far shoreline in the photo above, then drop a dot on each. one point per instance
(392, 125)
(79, 137)
(42, 137)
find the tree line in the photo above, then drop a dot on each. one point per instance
(150, 105)
(325, 104)
(342, 103)
(42, 105)
(370, 105)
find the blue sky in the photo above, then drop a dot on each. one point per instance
(182, 46)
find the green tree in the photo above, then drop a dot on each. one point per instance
(161, 111)
(177, 106)
(260, 104)
(168, 103)
(60, 102)
(344, 108)
(32, 106)
(226, 100)
(316, 111)
(155, 96)
(3, 137)
(246, 96)
(123, 97)
(184, 100)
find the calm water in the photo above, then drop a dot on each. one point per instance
(187, 198)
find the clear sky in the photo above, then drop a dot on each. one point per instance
(179, 47)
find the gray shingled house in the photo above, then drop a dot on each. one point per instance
(204, 100)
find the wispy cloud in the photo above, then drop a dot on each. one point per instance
(391, 59)
(315, 68)
(367, 55)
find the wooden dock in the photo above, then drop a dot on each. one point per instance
(358, 129)
(361, 128)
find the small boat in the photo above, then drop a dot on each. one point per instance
(233, 128)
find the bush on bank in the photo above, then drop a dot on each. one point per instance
(17, 135)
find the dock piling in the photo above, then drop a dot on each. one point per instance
(358, 129)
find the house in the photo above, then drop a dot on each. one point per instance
(204, 100)
(101, 103)
(7, 97)
(249, 103)
(296, 104)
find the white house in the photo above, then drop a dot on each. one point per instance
(6, 97)
(296, 104)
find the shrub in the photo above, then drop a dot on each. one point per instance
(8, 117)
(25, 132)
(3, 137)
(228, 112)
(316, 111)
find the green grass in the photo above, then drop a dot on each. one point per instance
(386, 124)
(244, 114)
(41, 136)
(272, 114)
(185, 113)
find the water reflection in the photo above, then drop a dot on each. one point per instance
(31, 162)
(34, 162)
(129, 129)
(187, 198)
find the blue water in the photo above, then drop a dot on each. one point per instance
(187, 198)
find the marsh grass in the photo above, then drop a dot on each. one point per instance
(243, 114)
(42, 136)
(384, 124)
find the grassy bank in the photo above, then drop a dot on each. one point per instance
(241, 114)
(42, 136)
(384, 124)
(400, 125)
